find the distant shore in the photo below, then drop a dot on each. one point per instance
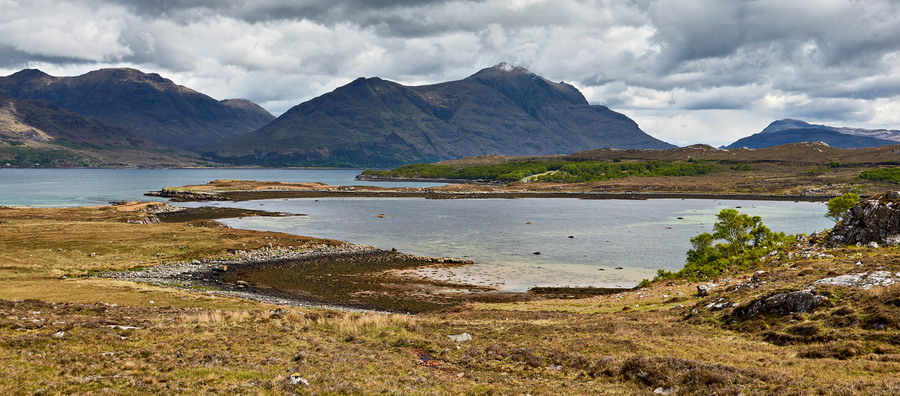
(245, 190)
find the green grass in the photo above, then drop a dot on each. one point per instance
(566, 171)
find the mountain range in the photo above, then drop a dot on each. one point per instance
(149, 107)
(373, 122)
(794, 131)
(125, 117)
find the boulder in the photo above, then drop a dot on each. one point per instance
(872, 220)
(863, 280)
(781, 304)
(460, 337)
(703, 290)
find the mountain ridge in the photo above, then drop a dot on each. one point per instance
(789, 130)
(375, 122)
(147, 105)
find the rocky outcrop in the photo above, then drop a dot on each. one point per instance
(863, 280)
(781, 304)
(184, 196)
(872, 220)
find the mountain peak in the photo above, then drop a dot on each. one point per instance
(503, 66)
(28, 74)
(788, 123)
(127, 74)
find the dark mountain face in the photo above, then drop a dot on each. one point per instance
(832, 138)
(39, 133)
(378, 123)
(796, 131)
(148, 106)
(36, 120)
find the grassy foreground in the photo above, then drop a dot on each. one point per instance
(84, 334)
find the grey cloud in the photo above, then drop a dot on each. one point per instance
(672, 56)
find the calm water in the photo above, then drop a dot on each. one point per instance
(79, 187)
(639, 236)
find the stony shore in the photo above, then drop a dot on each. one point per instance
(212, 275)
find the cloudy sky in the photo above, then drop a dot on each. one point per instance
(688, 71)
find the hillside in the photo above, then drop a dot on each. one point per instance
(377, 123)
(796, 131)
(147, 106)
(39, 133)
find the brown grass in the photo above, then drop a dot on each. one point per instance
(90, 335)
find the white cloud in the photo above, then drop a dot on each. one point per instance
(686, 70)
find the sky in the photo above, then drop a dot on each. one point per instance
(687, 71)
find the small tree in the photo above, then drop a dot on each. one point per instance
(745, 237)
(839, 206)
(739, 230)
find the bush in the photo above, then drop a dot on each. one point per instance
(889, 174)
(746, 239)
(568, 172)
(839, 206)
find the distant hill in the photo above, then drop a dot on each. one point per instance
(795, 131)
(792, 153)
(39, 133)
(373, 122)
(146, 105)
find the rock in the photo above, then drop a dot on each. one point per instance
(537, 253)
(781, 304)
(873, 245)
(221, 268)
(872, 220)
(664, 391)
(59, 334)
(618, 268)
(297, 379)
(571, 236)
(893, 240)
(862, 280)
(460, 337)
(703, 290)
(93, 254)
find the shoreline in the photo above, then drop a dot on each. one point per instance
(365, 192)
(226, 276)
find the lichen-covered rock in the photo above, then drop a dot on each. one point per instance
(863, 280)
(872, 220)
(781, 304)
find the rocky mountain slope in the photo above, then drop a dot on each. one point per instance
(795, 131)
(374, 122)
(39, 133)
(147, 106)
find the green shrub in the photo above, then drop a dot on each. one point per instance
(889, 175)
(838, 206)
(746, 239)
(568, 171)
